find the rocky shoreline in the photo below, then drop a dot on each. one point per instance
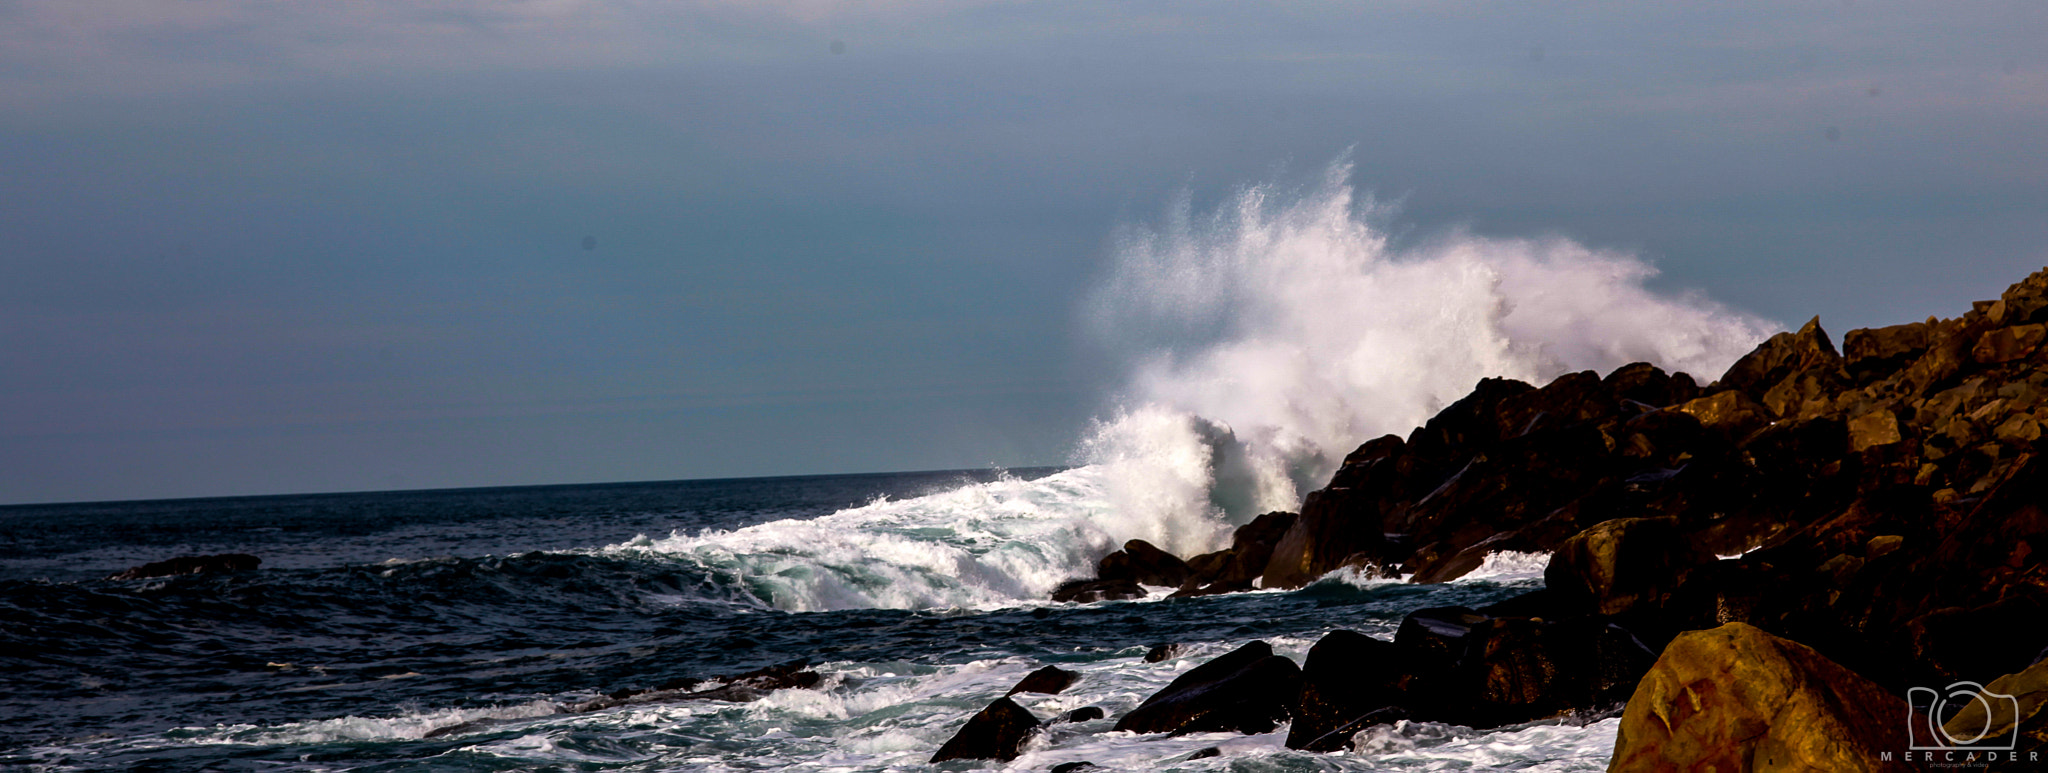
(1882, 506)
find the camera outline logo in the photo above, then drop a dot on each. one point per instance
(1925, 730)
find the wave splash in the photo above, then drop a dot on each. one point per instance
(1268, 336)
(1276, 332)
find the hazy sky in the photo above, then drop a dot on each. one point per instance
(259, 247)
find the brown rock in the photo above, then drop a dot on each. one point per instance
(1622, 565)
(1876, 428)
(2006, 344)
(1730, 413)
(1735, 699)
(1884, 348)
(1782, 356)
(1998, 721)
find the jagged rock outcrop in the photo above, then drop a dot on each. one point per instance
(1888, 503)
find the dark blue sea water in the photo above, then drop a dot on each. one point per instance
(458, 630)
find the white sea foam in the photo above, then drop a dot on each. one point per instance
(1510, 566)
(402, 727)
(979, 546)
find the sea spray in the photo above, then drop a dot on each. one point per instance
(1270, 336)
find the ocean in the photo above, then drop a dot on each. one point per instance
(460, 629)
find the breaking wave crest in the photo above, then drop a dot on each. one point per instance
(1267, 338)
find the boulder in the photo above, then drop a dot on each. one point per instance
(1336, 523)
(1876, 428)
(1729, 413)
(2024, 302)
(1050, 680)
(997, 733)
(1737, 698)
(224, 562)
(1248, 690)
(2005, 344)
(1623, 565)
(1884, 349)
(1143, 563)
(1347, 676)
(1433, 638)
(1234, 568)
(1083, 714)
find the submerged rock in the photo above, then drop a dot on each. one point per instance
(996, 733)
(1248, 690)
(1085, 591)
(224, 562)
(1736, 698)
(1050, 680)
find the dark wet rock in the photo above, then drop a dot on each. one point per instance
(1236, 567)
(1050, 680)
(1083, 714)
(1143, 563)
(1737, 698)
(1522, 669)
(735, 688)
(1086, 591)
(997, 733)
(1335, 524)
(1347, 676)
(1433, 638)
(1623, 565)
(1072, 767)
(1162, 653)
(1248, 690)
(223, 562)
(1205, 753)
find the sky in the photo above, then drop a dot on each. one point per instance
(255, 247)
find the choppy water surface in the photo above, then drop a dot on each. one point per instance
(453, 630)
